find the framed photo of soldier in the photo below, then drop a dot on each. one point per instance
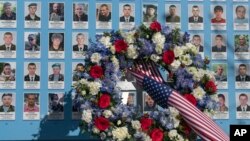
(32, 45)
(149, 13)
(241, 47)
(7, 106)
(242, 76)
(31, 106)
(32, 73)
(223, 110)
(195, 17)
(241, 17)
(148, 103)
(79, 71)
(220, 75)
(56, 46)
(56, 106)
(126, 15)
(8, 14)
(7, 75)
(56, 71)
(218, 18)
(129, 98)
(32, 15)
(219, 46)
(8, 45)
(79, 45)
(56, 16)
(173, 15)
(76, 106)
(242, 105)
(197, 39)
(103, 16)
(80, 15)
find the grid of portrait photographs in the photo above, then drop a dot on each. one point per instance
(53, 45)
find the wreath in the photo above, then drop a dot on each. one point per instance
(116, 53)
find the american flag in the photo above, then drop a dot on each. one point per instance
(148, 76)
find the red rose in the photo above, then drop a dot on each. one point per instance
(156, 135)
(101, 123)
(155, 26)
(120, 45)
(191, 99)
(146, 123)
(96, 71)
(168, 57)
(104, 101)
(187, 130)
(210, 87)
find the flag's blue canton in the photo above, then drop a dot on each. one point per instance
(159, 92)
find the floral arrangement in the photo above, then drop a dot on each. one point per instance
(107, 59)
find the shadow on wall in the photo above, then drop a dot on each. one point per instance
(66, 129)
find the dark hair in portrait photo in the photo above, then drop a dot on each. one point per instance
(8, 44)
(56, 42)
(56, 11)
(80, 12)
(55, 103)
(7, 105)
(8, 12)
(127, 14)
(103, 13)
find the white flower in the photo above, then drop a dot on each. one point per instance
(107, 113)
(210, 75)
(158, 49)
(87, 116)
(94, 87)
(186, 59)
(119, 122)
(173, 135)
(96, 130)
(84, 81)
(115, 61)
(105, 40)
(129, 36)
(112, 49)
(175, 65)
(95, 58)
(176, 122)
(178, 51)
(209, 113)
(174, 112)
(121, 133)
(198, 93)
(158, 38)
(214, 97)
(155, 57)
(189, 45)
(132, 52)
(197, 74)
(83, 92)
(136, 124)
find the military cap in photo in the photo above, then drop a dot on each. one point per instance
(56, 65)
(6, 4)
(32, 4)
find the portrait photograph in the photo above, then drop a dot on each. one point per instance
(32, 73)
(79, 71)
(219, 46)
(241, 17)
(56, 106)
(80, 15)
(242, 76)
(32, 13)
(223, 110)
(197, 39)
(103, 15)
(31, 106)
(76, 106)
(149, 13)
(7, 75)
(8, 45)
(242, 105)
(218, 17)
(56, 75)
(220, 74)
(126, 15)
(8, 14)
(7, 106)
(129, 98)
(195, 17)
(56, 46)
(148, 103)
(32, 45)
(56, 16)
(79, 45)
(241, 47)
(173, 15)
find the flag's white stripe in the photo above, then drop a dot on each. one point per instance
(156, 71)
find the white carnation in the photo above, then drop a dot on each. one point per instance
(121, 133)
(105, 40)
(94, 87)
(112, 49)
(189, 45)
(115, 61)
(155, 57)
(178, 51)
(83, 92)
(107, 113)
(158, 38)
(129, 36)
(158, 49)
(198, 93)
(83, 81)
(173, 135)
(136, 124)
(186, 59)
(175, 65)
(132, 52)
(174, 112)
(214, 97)
(119, 122)
(87, 116)
(95, 58)
(96, 130)
(176, 122)
(210, 75)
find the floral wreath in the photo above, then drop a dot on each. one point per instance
(108, 59)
